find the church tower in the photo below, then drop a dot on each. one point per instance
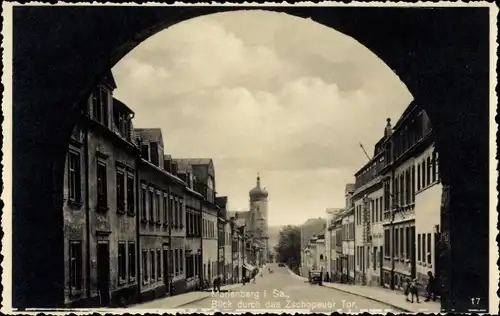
(259, 217)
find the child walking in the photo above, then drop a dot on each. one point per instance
(407, 289)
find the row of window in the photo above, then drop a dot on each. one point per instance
(170, 210)
(125, 183)
(152, 263)
(370, 172)
(338, 238)
(348, 231)
(224, 238)
(193, 220)
(424, 248)
(349, 261)
(209, 228)
(371, 259)
(210, 270)
(404, 240)
(427, 171)
(193, 263)
(126, 263)
(413, 132)
(375, 209)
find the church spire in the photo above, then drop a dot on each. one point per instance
(258, 192)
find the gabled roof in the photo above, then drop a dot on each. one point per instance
(150, 135)
(186, 163)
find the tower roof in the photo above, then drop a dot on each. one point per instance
(258, 193)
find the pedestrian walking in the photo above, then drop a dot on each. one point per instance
(431, 287)
(407, 289)
(216, 284)
(327, 277)
(414, 290)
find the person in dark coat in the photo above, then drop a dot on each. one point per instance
(217, 282)
(431, 287)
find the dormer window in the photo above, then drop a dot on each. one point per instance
(100, 105)
(121, 122)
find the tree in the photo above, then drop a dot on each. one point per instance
(288, 248)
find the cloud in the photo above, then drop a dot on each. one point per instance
(264, 92)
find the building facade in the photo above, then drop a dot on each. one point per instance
(134, 217)
(227, 255)
(159, 215)
(410, 138)
(428, 191)
(237, 252)
(348, 246)
(221, 202)
(204, 171)
(330, 250)
(321, 253)
(193, 243)
(99, 203)
(368, 204)
(312, 227)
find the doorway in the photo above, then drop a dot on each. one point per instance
(103, 272)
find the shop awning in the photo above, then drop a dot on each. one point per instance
(248, 266)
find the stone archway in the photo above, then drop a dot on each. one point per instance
(442, 55)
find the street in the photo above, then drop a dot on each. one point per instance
(284, 292)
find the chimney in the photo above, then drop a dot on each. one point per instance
(388, 128)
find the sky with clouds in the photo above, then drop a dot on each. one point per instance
(264, 92)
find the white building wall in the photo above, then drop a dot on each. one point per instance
(210, 247)
(427, 221)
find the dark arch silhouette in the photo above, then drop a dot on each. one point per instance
(441, 54)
